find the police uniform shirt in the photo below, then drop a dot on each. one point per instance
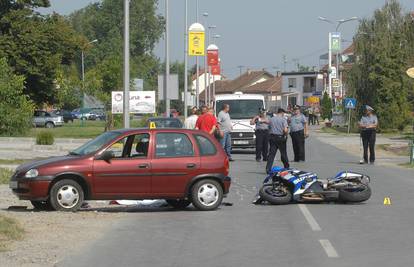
(261, 125)
(368, 120)
(297, 123)
(277, 125)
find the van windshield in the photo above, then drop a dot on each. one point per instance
(241, 108)
(95, 144)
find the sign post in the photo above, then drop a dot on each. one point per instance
(196, 47)
(350, 104)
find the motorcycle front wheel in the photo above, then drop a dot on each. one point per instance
(276, 195)
(355, 193)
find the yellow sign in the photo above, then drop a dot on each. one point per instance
(387, 201)
(152, 125)
(313, 100)
(410, 72)
(196, 43)
(335, 83)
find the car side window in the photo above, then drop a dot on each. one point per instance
(173, 145)
(118, 148)
(140, 146)
(206, 147)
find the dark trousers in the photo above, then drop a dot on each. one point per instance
(277, 142)
(298, 142)
(262, 144)
(368, 142)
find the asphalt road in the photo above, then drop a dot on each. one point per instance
(368, 234)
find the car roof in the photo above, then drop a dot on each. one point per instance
(161, 119)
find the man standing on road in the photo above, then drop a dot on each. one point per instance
(207, 121)
(368, 125)
(262, 135)
(226, 127)
(190, 122)
(298, 133)
(278, 137)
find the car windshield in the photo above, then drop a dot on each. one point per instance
(167, 123)
(95, 144)
(241, 108)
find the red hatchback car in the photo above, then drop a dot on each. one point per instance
(180, 166)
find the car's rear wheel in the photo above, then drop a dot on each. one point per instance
(207, 194)
(42, 205)
(50, 125)
(66, 195)
(178, 203)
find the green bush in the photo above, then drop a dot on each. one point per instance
(15, 107)
(326, 105)
(45, 138)
(5, 175)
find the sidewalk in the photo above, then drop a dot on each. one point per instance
(351, 144)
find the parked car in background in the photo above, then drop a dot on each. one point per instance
(97, 116)
(161, 122)
(45, 119)
(66, 114)
(178, 165)
(86, 113)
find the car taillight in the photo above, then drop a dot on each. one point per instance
(227, 165)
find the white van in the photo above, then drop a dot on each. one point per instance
(243, 107)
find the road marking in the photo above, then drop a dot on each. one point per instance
(329, 249)
(309, 217)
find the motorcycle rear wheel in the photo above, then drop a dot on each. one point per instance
(354, 194)
(275, 196)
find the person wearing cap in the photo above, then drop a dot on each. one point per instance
(261, 122)
(190, 121)
(368, 125)
(298, 132)
(278, 136)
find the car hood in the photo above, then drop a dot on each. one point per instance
(41, 163)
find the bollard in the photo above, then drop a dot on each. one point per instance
(412, 152)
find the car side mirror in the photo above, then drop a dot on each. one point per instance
(107, 156)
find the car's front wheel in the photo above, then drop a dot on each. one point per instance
(66, 195)
(207, 194)
(50, 125)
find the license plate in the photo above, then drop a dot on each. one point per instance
(13, 185)
(241, 142)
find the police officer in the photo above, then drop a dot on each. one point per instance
(261, 123)
(298, 132)
(277, 138)
(368, 125)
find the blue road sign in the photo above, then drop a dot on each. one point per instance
(350, 103)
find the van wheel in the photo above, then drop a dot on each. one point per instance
(207, 195)
(50, 125)
(66, 195)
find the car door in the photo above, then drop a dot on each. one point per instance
(174, 163)
(39, 118)
(128, 173)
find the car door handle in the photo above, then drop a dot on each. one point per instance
(143, 166)
(191, 165)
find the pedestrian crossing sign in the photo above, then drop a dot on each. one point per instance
(350, 103)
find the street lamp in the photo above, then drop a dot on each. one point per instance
(211, 94)
(83, 61)
(338, 24)
(205, 15)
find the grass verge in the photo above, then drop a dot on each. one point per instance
(10, 230)
(407, 165)
(5, 175)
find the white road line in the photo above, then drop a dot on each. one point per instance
(309, 217)
(329, 249)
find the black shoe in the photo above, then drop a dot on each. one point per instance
(230, 159)
(264, 159)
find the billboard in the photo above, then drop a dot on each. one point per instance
(336, 42)
(139, 102)
(172, 91)
(212, 57)
(196, 43)
(216, 70)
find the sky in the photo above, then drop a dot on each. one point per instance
(257, 34)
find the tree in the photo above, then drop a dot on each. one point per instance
(68, 86)
(326, 105)
(384, 50)
(36, 46)
(15, 106)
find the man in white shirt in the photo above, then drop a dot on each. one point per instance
(190, 122)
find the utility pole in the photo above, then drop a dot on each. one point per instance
(186, 60)
(240, 69)
(126, 64)
(205, 62)
(167, 62)
(197, 68)
(284, 63)
(330, 66)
